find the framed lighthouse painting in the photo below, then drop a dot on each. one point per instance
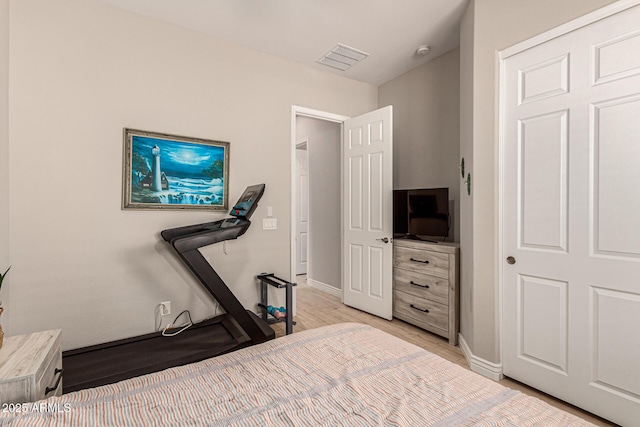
(164, 171)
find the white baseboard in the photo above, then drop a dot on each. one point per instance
(483, 367)
(324, 287)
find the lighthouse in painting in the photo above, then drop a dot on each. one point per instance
(156, 180)
(156, 184)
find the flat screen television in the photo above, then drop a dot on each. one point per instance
(421, 213)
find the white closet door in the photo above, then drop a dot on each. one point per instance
(571, 300)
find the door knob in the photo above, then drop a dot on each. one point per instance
(383, 240)
(511, 260)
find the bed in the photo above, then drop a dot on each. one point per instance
(340, 375)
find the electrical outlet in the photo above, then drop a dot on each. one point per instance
(165, 308)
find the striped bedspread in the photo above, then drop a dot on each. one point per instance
(341, 375)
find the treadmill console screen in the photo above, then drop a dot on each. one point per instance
(248, 202)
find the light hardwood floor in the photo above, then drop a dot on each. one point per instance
(315, 308)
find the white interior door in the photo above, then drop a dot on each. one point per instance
(571, 287)
(367, 212)
(302, 208)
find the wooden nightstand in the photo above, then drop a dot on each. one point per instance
(31, 367)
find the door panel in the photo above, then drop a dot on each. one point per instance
(355, 192)
(376, 273)
(355, 269)
(543, 191)
(542, 322)
(616, 154)
(368, 210)
(612, 61)
(544, 80)
(610, 309)
(376, 192)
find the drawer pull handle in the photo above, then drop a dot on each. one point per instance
(57, 372)
(424, 310)
(417, 260)
(418, 284)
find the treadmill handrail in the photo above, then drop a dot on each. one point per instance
(197, 236)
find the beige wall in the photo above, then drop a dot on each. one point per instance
(4, 153)
(426, 127)
(325, 236)
(81, 71)
(497, 25)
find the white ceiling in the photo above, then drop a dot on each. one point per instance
(304, 30)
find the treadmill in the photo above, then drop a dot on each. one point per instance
(114, 361)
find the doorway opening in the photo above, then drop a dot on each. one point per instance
(352, 222)
(316, 244)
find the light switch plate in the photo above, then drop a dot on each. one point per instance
(269, 224)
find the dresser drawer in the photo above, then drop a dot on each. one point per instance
(422, 261)
(50, 376)
(421, 312)
(422, 285)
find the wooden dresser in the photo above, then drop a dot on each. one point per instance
(31, 367)
(426, 285)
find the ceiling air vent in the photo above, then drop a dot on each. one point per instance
(342, 57)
